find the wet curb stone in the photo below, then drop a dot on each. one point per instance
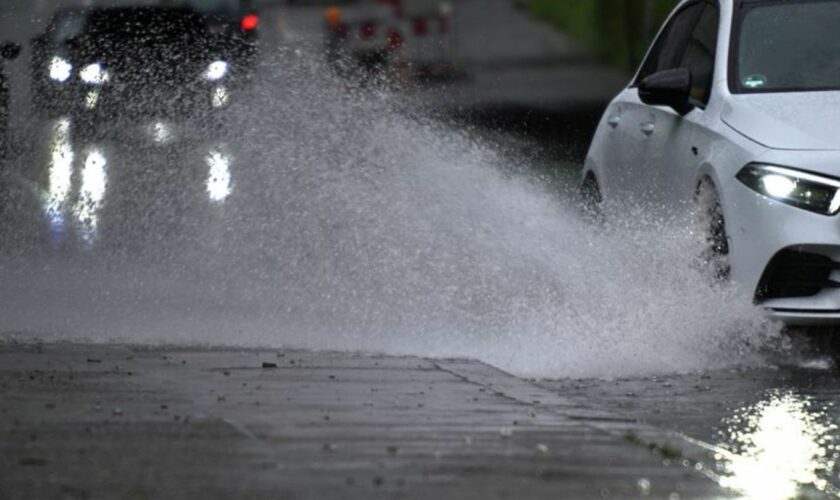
(674, 448)
(158, 422)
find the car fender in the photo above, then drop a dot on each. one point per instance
(712, 167)
(727, 154)
(706, 169)
(722, 155)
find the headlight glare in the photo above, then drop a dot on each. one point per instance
(778, 186)
(804, 190)
(216, 71)
(94, 74)
(60, 69)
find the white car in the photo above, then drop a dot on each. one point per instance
(736, 109)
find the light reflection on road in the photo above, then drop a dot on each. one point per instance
(161, 132)
(91, 98)
(220, 96)
(78, 186)
(773, 448)
(218, 179)
(60, 175)
(91, 193)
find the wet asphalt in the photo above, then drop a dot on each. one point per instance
(775, 426)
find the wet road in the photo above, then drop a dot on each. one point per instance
(773, 428)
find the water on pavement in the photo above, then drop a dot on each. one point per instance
(773, 429)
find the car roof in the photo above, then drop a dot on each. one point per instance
(138, 8)
(99, 10)
(127, 20)
(141, 11)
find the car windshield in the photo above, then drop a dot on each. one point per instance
(158, 22)
(787, 46)
(215, 6)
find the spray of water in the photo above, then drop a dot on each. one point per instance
(332, 217)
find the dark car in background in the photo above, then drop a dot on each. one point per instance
(100, 65)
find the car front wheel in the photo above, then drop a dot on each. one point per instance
(590, 199)
(712, 226)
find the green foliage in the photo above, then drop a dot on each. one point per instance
(617, 30)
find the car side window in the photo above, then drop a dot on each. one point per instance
(699, 55)
(670, 46)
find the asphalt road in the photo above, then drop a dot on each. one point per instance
(776, 427)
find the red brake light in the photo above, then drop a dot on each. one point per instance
(250, 22)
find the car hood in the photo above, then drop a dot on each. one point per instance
(791, 120)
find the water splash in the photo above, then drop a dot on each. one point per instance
(357, 223)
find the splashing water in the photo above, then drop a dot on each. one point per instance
(349, 221)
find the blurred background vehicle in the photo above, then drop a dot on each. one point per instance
(127, 63)
(428, 48)
(358, 35)
(412, 39)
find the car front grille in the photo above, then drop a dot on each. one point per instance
(796, 273)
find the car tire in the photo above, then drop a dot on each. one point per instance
(712, 226)
(591, 201)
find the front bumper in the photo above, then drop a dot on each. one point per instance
(108, 102)
(806, 292)
(790, 257)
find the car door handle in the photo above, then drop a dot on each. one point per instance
(614, 120)
(648, 128)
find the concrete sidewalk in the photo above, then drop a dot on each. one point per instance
(79, 421)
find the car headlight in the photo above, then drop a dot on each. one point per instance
(60, 69)
(805, 190)
(216, 71)
(94, 74)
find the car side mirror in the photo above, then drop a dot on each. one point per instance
(671, 87)
(9, 50)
